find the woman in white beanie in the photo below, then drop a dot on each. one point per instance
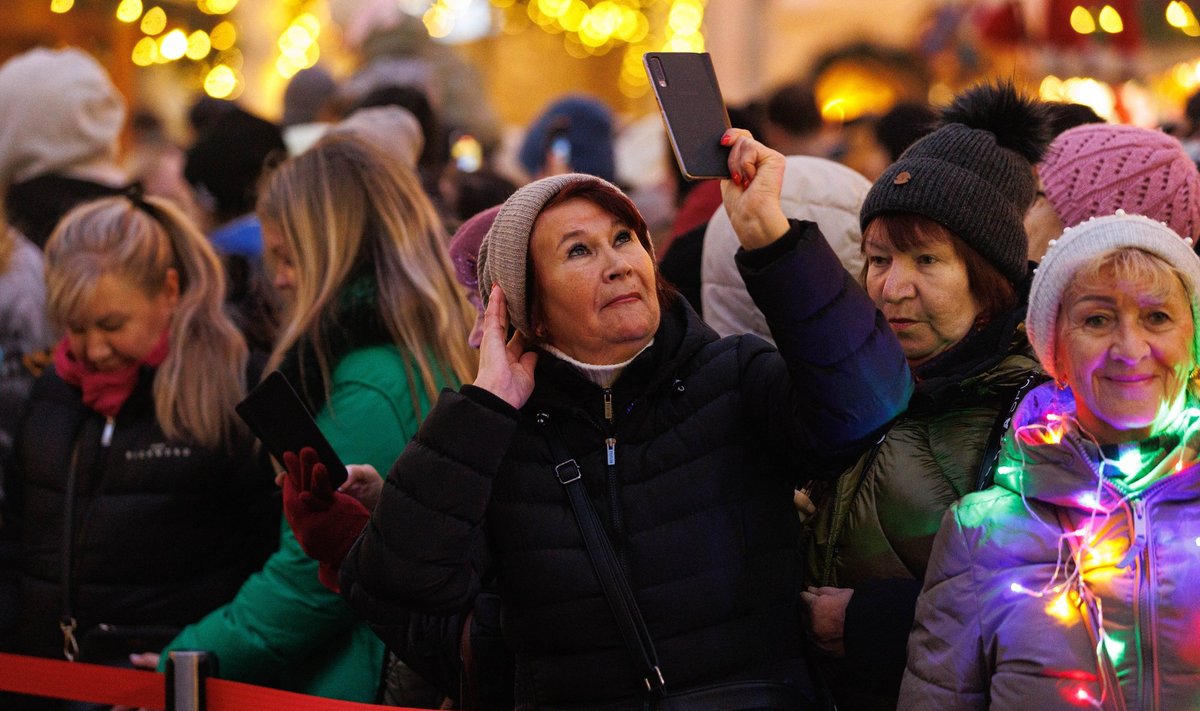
(1075, 581)
(616, 416)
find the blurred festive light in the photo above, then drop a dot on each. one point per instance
(1110, 20)
(572, 19)
(554, 8)
(198, 45)
(439, 21)
(294, 40)
(173, 45)
(1061, 609)
(223, 36)
(220, 82)
(154, 21)
(216, 7)
(285, 67)
(61, 6)
(145, 52)
(1179, 14)
(129, 11)
(309, 23)
(1081, 21)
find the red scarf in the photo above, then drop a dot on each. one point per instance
(105, 392)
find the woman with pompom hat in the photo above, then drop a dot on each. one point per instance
(945, 250)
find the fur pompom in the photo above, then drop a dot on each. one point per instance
(1020, 123)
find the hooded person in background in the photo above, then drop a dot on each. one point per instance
(945, 262)
(60, 125)
(573, 135)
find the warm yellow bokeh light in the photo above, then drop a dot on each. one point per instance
(1177, 14)
(309, 23)
(1081, 21)
(1110, 20)
(286, 67)
(223, 36)
(198, 45)
(129, 11)
(1061, 609)
(218, 7)
(61, 6)
(554, 8)
(145, 52)
(220, 82)
(173, 45)
(154, 21)
(438, 21)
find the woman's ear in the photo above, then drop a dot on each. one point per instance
(171, 287)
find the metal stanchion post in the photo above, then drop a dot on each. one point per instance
(186, 673)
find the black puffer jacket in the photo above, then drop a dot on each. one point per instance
(692, 475)
(164, 531)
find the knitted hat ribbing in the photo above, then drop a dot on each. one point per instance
(504, 254)
(973, 181)
(1090, 239)
(1097, 169)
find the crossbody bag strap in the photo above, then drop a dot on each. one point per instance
(67, 622)
(616, 588)
(991, 452)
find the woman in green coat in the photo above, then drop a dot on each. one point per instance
(376, 327)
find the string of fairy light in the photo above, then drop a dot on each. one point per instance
(1094, 551)
(212, 48)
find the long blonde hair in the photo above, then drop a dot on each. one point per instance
(204, 374)
(343, 207)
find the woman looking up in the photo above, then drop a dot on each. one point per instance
(686, 445)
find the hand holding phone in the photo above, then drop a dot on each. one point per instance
(693, 111)
(278, 417)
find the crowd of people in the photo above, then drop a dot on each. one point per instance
(914, 426)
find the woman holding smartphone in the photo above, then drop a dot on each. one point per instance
(377, 326)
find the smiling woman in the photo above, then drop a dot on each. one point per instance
(1041, 587)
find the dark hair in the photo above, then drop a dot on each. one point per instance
(415, 101)
(617, 204)
(903, 125)
(1064, 116)
(906, 230)
(793, 107)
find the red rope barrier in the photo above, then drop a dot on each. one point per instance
(82, 682)
(97, 684)
(225, 695)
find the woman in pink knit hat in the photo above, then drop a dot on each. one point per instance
(1096, 169)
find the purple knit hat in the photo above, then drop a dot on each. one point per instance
(1096, 169)
(464, 246)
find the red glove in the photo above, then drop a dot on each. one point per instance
(326, 522)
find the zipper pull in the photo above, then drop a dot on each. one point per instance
(608, 411)
(107, 434)
(610, 445)
(1138, 541)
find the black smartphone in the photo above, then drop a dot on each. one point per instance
(278, 417)
(693, 111)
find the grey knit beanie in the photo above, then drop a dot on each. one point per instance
(504, 254)
(973, 175)
(1086, 241)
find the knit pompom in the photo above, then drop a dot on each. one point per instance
(1019, 122)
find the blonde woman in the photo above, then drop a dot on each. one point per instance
(376, 327)
(130, 448)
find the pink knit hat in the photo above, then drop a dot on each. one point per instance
(1096, 169)
(464, 246)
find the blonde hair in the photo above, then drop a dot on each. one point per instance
(1136, 266)
(8, 244)
(342, 207)
(204, 374)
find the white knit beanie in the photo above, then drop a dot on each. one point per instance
(1086, 241)
(504, 254)
(58, 109)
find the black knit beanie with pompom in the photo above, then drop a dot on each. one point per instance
(973, 175)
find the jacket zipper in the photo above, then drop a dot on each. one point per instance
(610, 450)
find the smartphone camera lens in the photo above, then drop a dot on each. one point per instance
(656, 72)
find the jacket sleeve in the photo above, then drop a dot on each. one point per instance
(282, 615)
(848, 375)
(947, 667)
(425, 548)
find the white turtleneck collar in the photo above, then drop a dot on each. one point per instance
(602, 375)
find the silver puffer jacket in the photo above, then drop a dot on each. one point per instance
(994, 627)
